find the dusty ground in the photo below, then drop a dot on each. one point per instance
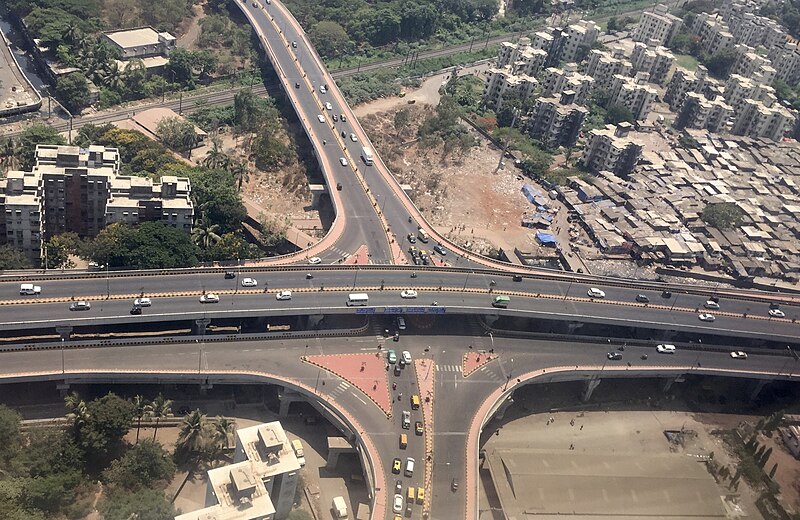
(190, 29)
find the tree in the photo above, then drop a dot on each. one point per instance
(224, 429)
(617, 114)
(215, 157)
(205, 234)
(10, 439)
(268, 152)
(109, 419)
(91, 134)
(724, 215)
(145, 465)
(214, 192)
(58, 250)
(161, 407)
(329, 38)
(9, 153)
(194, 434)
(536, 164)
(613, 25)
(401, 119)
(13, 258)
(120, 13)
(32, 136)
(720, 63)
(51, 492)
(177, 133)
(231, 246)
(141, 410)
(240, 172)
(181, 66)
(145, 504)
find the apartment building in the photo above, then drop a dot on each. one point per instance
(684, 81)
(756, 119)
(517, 65)
(603, 66)
(259, 485)
(699, 112)
(655, 61)
(634, 94)
(749, 28)
(581, 34)
(657, 25)
(739, 88)
(521, 57)
(557, 80)
(610, 149)
(786, 61)
(713, 33)
(72, 189)
(556, 121)
(752, 65)
(501, 83)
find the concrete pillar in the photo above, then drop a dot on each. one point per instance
(588, 389)
(65, 332)
(489, 319)
(756, 389)
(286, 398)
(316, 192)
(63, 388)
(667, 384)
(314, 320)
(199, 326)
(501, 410)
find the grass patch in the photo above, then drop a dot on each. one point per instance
(686, 61)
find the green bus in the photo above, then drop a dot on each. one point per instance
(501, 301)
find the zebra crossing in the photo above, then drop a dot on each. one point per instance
(340, 389)
(341, 252)
(448, 368)
(491, 374)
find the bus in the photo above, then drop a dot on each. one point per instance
(501, 301)
(366, 154)
(355, 299)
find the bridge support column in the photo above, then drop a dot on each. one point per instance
(65, 332)
(501, 410)
(757, 387)
(336, 447)
(286, 398)
(316, 192)
(573, 326)
(63, 388)
(314, 320)
(667, 384)
(489, 319)
(199, 326)
(588, 389)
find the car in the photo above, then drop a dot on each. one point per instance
(142, 302)
(594, 292)
(397, 371)
(314, 260)
(255, 4)
(417, 260)
(706, 317)
(338, 186)
(322, 89)
(229, 274)
(401, 323)
(406, 356)
(249, 282)
(284, 295)
(711, 304)
(335, 118)
(418, 428)
(342, 161)
(642, 298)
(738, 354)
(408, 294)
(413, 250)
(344, 119)
(408, 510)
(209, 298)
(398, 486)
(614, 356)
(517, 277)
(777, 313)
(320, 118)
(136, 310)
(665, 348)
(328, 106)
(397, 503)
(352, 136)
(396, 465)
(439, 248)
(80, 305)
(666, 294)
(406, 418)
(296, 84)
(454, 485)
(412, 238)
(294, 45)
(391, 357)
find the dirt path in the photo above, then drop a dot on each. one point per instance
(188, 39)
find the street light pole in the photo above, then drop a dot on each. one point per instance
(568, 288)
(108, 284)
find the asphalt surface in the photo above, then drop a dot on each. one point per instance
(456, 398)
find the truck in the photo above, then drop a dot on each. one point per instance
(366, 154)
(298, 452)
(29, 289)
(339, 507)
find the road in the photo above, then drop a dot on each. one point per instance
(456, 402)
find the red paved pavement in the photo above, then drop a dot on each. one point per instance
(472, 361)
(426, 371)
(359, 257)
(365, 371)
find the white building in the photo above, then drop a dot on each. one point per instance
(556, 121)
(658, 25)
(557, 80)
(699, 112)
(684, 81)
(755, 119)
(610, 149)
(573, 37)
(259, 485)
(144, 43)
(786, 61)
(521, 57)
(603, 66)
(738, 88)
(713, 33)
(501, 83)
(752, 65)
(655, 61)
(634, 94)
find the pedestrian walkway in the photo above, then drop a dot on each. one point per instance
(472, 361)
(365, 371)
(361, 256)
(448, 368)
(426, 382)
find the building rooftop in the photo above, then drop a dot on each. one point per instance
(129, 38)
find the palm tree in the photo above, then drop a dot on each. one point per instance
(142, 409)
(224, 429)
(78, 412)
(240, 173)
(204, 233)
(215, 157)
(71, 33)
(113, 77)
(194, 432)
(160, 407)
(9, 153)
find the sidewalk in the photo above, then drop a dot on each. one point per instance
(425, 370)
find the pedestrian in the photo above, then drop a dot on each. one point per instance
(572, 422)
(581, 427)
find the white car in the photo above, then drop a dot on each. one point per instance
(397, 504)
(314, 260)
(594, 292)
(322, 89)
(284, 295)
(209, 298)
(342, 161)
(707, 317)
(665, 349)
(777, 313)
(142, 302)
(249, 282)
(320, 118)
(408, 294)
(738, 354)
(711, 304)
(406, 357)
(353, 138)
(328, 106)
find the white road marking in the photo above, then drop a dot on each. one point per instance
(354, 395)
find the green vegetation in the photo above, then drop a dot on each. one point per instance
(686, 61)
(23, 149)
(724, 215)
(150, 245)
(787, 94)
(617, 114)
(12, 258)
(444, 127)
(788, 12)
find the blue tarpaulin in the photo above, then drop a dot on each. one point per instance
(534, 196)
(546, 239)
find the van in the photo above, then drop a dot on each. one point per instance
(297, 446)
(415, 402)
(423, 236)
(403, 441)
(356, 299)
(420, 495)
(29, 289)
(410, 495)
(501, 301)
(409, 472)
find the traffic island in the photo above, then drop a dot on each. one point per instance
(425, 370)
(365, 371)
(472, 361)
(360, 257)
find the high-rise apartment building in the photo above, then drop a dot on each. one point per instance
(610, 149)
(556, 121)
(657, 25)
